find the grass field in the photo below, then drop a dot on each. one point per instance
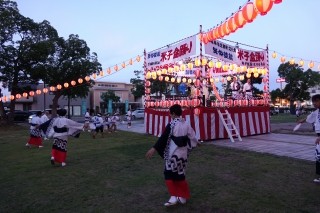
(285, 118)
(111, 175)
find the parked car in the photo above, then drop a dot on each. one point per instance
(19, 115)
(139, 113)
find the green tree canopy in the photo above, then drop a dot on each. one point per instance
(298, 82)
(24, 46)
(110, 95)
(138, 85)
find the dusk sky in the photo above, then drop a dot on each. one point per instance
(120, 30)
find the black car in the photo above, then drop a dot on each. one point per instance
(19, 115)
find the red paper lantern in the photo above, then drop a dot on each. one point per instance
(52, 88)
(197, 111)
(73, 83)
(204, 38)
(18, 96)
(239, 20)
(147, 90)
(220, 31)
(31, 93)
(263, 6)
(148, 83)
(231, 25)
(209, 35)
(160, 78)
(25, 94)
(38, 92)
(197, 73)
(225, 28)
(197, 83)
(80, 80)
(249, 12)
(277, 1)
(45, 90)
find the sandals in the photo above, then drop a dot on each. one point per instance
(182, 200)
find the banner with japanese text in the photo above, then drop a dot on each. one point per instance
(233, 55)
(167, 57)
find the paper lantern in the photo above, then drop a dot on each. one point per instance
(231, 25)
(101, 73)
(164, 71)
(184, 80)
(138, 58)
(167, 78)
(218, 64)
(189, 81)
(197, 62)
(239, 20)
(248, 75)
(94, 75)
(123, 65)
(190, 66)
(200, 37)
(45, 90)
(147, 90)
(109, 70)
(80, 80)
(256, 75)
(172, 80)
(211, 64)
(291, 61)
(311, 64)
(52, 88)
(18, 96)
(225, 67)
(130, 62)
(179, 80)
(263, 6)
(66, 85)
(197, 73)
(229, 78)
(277, 1)
(170, 70)
(283, 59)
(11, 97)
(220, 31)
(204, 61)
(183, 67)
(59, 86)
(25, 94)
(31, 93)
(160, 78)
(197, 111)
(197, 82)
(225, 28)
(274, 55)
(87, 78)
(301, 63)
(4, 98)
(205, 38)
(176, 68)
(116, 68)
(73, 83)
(209, 36)
(38, 92)
(249, 13)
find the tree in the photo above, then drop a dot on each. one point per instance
(110, 95)
(275, 94)
(297, 83)
(24, 46)
(138, 85)
(159, 87)
(72, 60)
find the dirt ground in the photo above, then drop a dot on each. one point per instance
(287, 128)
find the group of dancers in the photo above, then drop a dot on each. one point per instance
(60, 128)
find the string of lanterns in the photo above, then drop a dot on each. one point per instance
(294, 60)
(246, 14)
(109, 71)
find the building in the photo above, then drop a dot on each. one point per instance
(122, 90)
(78, 106)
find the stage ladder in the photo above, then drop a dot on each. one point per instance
(229, 125)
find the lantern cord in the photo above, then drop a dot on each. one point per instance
(293, 56)
(242, 44)
(168, 45)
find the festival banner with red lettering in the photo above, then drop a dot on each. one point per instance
(232, 54)
(167, 57)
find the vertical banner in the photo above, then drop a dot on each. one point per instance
(110, 106)
(83, 106)
(126, 106)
